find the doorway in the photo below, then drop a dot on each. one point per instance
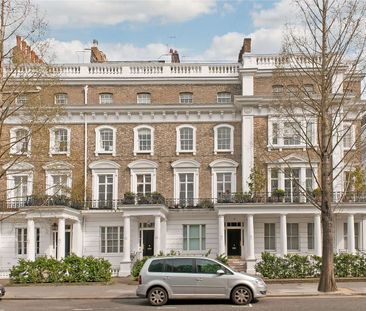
(148, 242)
(234, 242)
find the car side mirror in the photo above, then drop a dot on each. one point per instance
(220, 272)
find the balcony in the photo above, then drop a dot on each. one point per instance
(131, 199)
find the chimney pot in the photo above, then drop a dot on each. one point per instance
(19, 41)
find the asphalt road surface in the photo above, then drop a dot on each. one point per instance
(276, 304)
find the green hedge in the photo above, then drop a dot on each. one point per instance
(298, 266)
(70, 269)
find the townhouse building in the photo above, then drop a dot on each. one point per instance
(153, 157)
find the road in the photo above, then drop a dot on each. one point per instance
(276, 304)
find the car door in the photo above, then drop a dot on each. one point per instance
(209, 283)
(180, 276)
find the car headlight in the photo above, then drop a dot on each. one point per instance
(260, 282)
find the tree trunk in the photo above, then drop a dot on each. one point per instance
(327, 281)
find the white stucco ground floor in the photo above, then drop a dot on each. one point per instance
(131, 232)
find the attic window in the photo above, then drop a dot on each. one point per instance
(277, 88)
(106, 98)
(144, 98)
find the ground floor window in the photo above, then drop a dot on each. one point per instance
(270, 237)
(194, 237)
(293, 236)
(311, 235)
(21, 240)
(345, 235)
(111, 239)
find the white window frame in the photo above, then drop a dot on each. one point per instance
(104, 167)
(56, 169)
(280, 138)
(201, 246)
(14, 145)
(310, 237)
(98, 147)
(224, 98)
(289, 236)
(18, 169)
(269, 236)
(186, 167)
(302, 165)
(223, 166)
(140, 167)
(178, 142)
(61, 101)
(351, 132)
(216, 129)
(136, 144)
(24, 241)
(120, 240)
(105, 101)
(143, 98)
(183, 100)
(22, 99)
(53, 150)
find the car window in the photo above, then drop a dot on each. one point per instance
(179, 265)
(157, 266)
(208, 266)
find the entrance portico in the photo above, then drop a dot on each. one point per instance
(143, 228)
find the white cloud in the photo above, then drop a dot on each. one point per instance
(77, 52)
(86, 13)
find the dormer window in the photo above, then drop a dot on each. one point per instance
(61, 99)
(186, 98)
(106, 98)
(277, 89)
(144, 98)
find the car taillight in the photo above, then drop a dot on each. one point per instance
(140, 280)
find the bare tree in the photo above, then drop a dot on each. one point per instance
(24, 76)
(318, 95)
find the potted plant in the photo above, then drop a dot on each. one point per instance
(157, 198)
(278, 195)
(129, 198)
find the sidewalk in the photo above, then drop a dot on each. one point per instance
(121, 289)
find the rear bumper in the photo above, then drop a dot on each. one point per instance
(2, 291)
(141, 291)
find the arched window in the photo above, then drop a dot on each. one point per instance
(143, 139)
(224, 138)
(186, 139)
(20, 140)
(60, 140)
(105, 140)
(223, 179)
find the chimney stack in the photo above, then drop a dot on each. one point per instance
(246, 48)
(174, 56)
(23, 53)
(96, 55)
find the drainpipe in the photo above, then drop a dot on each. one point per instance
(85, 146)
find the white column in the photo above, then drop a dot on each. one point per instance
(61, 239)
(31, 241)
(163, 235)
(250, 234)
(363, 230)
(351, 233)
(247, 150)
(283, 235)
(222, 248)
(77, 238)
(317, 235)
(126, 239)
(125, 265)
(157, 233)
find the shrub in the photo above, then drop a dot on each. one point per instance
(298, 266)
(137, 266)
(222, 258)
(70, 269)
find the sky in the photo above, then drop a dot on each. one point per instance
(127, 30)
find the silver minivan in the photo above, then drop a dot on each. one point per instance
(163, 278)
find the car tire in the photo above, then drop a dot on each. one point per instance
(157, 296)
(241, 295)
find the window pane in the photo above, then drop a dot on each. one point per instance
(186, 98)
(207, 266)
(144, 139)
(144, 98)
(224, 138)
(186, 138)
(179, 265)
(157, 266)
(223, 98)
(106, 140)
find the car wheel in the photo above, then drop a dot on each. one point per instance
(241, 295)
(157, 296)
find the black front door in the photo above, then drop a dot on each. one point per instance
(148, 240)
(67, 243)
(233, 242)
